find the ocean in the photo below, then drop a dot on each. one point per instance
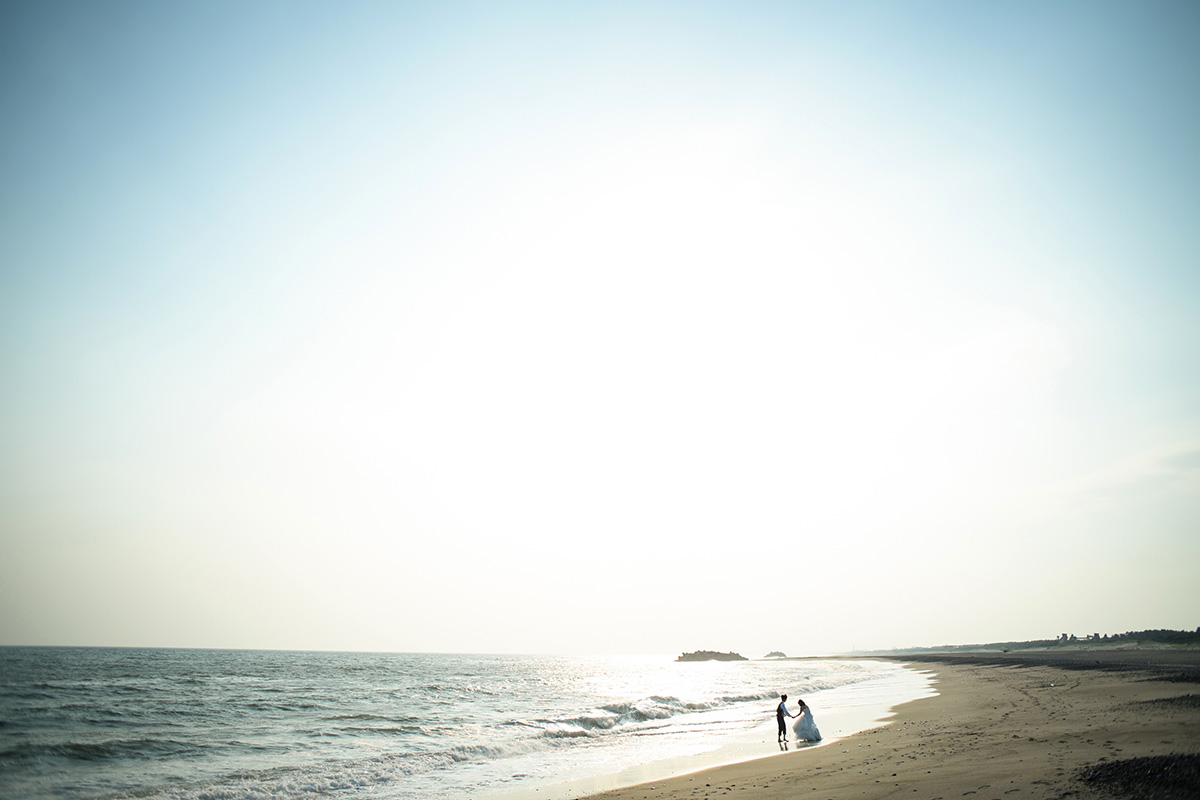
(243, 725)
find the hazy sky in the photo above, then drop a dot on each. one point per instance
(598, 327)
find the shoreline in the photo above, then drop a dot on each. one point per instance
(843, 713)
(1087, 724)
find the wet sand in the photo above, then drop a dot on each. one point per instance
(1055, 724)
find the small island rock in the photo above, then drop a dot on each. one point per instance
(710, 655)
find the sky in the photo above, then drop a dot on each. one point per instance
(557, 327)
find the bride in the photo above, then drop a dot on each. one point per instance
(804, 727)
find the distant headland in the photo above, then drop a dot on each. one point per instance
(1131, 640)
(709, 655)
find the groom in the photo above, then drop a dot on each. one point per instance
(780, 713)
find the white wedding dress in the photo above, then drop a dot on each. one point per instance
(804, 728)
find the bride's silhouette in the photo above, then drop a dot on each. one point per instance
(804, 727)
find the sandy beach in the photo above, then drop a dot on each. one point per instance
(1084, 724)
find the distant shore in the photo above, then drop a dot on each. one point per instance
(1086, 723)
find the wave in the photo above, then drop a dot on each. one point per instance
(638, 714)
(112, 750)
(334, 776)
(463, 690)
(259, 705)
(404, 719)
(403, 730)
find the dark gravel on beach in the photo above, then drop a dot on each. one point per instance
(1183, 701)
(1173, 777)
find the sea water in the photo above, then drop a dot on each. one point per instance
(217, 725)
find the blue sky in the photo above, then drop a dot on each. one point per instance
(491, 327)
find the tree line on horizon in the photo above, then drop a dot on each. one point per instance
(1156, 636)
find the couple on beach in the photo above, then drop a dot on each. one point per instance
(804, 727)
